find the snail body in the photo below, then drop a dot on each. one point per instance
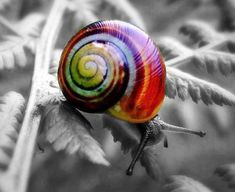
(113, 67)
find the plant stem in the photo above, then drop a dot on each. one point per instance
(180, 60)
(187, 58)
(19, 169)
(9, 27)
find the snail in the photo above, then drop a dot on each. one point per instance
(114, 67)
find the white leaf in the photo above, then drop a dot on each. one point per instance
(181, 183)
(68, 130)
(55, 62)
(171, 47)
(227, 14)
(13, 52)
(84, 11)
(227, 172)
(200, 32)
(149, 160)
(185, 85)
(128, 12)
(126, 133)
(30, 25)
(12, 107)
(4, 4)
(51, 94)
(215, 61)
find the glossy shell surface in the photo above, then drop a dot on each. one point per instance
(113, 67)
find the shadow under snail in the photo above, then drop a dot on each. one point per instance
(114, 67)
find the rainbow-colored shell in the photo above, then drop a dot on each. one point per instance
(113, 67)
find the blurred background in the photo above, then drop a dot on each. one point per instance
(186, 155)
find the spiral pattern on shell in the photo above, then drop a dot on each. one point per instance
(114, 67)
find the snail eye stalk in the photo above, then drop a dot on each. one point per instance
(154, 131)
(144, 141)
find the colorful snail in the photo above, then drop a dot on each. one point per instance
(113, 67)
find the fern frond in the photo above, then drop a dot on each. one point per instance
(84, 12)
(227, 172)
(30, 25)
(52, 97)
(185, 85)
(149, 160)
(4, 4)
(12, 107)
(215, 61)
(126, 133)
(200, 32)
(55, 62)
(68, 130)
(181, 183)
(227, 15)
(129, 136)
(13, 52)
(171, 48)
(127, 12)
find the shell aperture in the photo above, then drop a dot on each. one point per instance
(113, 67)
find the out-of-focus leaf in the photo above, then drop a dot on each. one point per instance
(84, 12)
(195, 3)
(215, 61)
(199, 32)
(227, 172)
(30, 25)
(50, 96)
(68, 130)
(227, 15)
(185, 85)
(149, 160)
(14, 52)
(221, 117)
(127, 12)
(126, 133)
(181, 183)
(129, 136)
(171, 47)
(4, 4)
(17, 49)
(55, 62)
(12, 107)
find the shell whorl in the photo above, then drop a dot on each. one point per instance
(113, 66)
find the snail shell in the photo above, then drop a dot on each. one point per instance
(113, 67)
